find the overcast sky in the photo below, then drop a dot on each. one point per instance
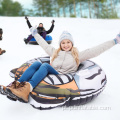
(25, 3)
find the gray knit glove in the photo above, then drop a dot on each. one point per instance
(33, 30)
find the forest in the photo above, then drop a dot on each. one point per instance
(99, 9)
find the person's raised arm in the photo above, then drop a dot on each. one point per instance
(95, 51)
(48, 48)
(28, 22)
(51, 28)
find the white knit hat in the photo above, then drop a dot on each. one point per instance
(66, 35)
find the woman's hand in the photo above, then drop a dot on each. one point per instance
(33, 30)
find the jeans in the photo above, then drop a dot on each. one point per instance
(36, 73)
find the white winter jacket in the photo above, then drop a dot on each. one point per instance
(65, 63)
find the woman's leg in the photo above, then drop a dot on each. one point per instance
(22, 93)
(30, 72)
(41, 73)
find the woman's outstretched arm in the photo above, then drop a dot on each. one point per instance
(95, 51)
(48, 48)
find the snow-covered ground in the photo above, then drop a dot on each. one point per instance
(86, 33)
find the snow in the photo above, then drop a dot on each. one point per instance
(86, 33)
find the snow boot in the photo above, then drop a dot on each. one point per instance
(2, 51)
(21, 92)
(2, 90)
(14, 84)
(26, 41)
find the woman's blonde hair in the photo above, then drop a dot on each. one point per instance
(74, 54)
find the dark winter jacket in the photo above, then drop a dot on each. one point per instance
(40, 30)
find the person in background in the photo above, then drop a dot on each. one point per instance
(1, 32)
(1, 51)
(40, 29)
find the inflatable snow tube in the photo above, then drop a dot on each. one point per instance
(48, 39)
(65, 89)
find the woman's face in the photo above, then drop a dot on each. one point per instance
(66, 45)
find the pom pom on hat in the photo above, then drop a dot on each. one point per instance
(66, 35)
